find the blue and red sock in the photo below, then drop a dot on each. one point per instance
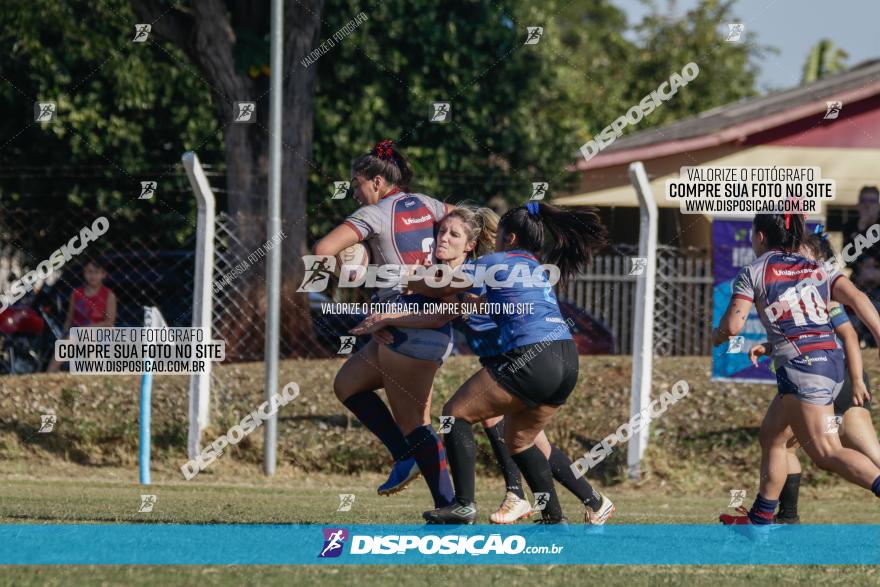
(762, 510)
(426, 447)
(372, 412)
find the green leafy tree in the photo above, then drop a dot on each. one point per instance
(380, 82)
(519, 112)
(227, 42)
(824, 59)
(667, 43)
(123, 116)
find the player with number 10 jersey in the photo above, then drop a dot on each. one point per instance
(791, 294)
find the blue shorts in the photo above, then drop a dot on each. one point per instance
(814, 377)
(423, 343)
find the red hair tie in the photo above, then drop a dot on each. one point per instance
(788, 219)
(384, 149)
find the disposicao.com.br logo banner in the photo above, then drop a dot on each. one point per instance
(434, 542)
(576, 544)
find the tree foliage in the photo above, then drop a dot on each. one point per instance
(125, 114)
(824, 59)
(519, 112)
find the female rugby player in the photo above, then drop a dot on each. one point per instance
(538, 366)
(852, 405)
(792, 294)
(471, 231)
(399, 227)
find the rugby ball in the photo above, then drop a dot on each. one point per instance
(353, 262)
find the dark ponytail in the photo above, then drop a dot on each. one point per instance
(782, 231)
(387, 160)
(819, 247)
(565, 238)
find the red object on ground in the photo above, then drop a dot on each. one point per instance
(21, 320)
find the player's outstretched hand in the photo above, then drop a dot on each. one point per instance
(758, 351)
(860, 393)
(370, 325)
(383, 336)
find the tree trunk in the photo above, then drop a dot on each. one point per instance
(303, 29)
(208, 38)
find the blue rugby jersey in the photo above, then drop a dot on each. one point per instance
(482, 333)
(544, 324)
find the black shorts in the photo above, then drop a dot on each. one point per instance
(844, 399)
(542, 373)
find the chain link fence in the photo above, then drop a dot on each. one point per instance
(149, 259)
(144, 267)
(683, 289)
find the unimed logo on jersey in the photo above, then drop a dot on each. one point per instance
(419, 220)
(334, 539)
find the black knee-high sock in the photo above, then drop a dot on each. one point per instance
(461, 451)
(536, 470)
(374, 414)
(788, 499)
(560, 466)
(426, 447)
(512, 478)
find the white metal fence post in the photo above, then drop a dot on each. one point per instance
(643, 323)
(200, 384)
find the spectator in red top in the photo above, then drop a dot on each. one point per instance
(90, 305)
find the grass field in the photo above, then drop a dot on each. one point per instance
(68, 493)
(419, 576)
(85, 472)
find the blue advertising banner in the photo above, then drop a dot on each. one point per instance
(627, 544)
(731, 250)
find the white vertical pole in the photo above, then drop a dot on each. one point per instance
(643, 331)
(273, 262)
(203, 300)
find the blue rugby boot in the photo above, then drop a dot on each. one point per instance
(402, 474)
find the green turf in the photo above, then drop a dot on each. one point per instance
(706, 440)
(313, 499)
(416, 576)
(66, 493)
(85, 471)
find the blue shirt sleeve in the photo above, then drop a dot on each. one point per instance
(838, 316)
